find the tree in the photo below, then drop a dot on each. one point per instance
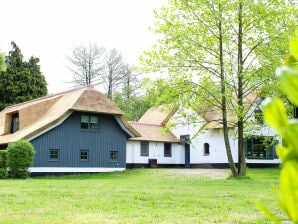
(217, 54)
(22, 80)
(129, 98)
(94, 65)
(133, 107)
(114, 72)
(87, 64)
(2, 62)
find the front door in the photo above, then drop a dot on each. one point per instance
(187, 155)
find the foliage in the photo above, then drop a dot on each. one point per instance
(216, 54)
(133, 107)
(275, 115)
(20, 158)
(2, 62)
(3, 164)
(174, 196)
(22, 80)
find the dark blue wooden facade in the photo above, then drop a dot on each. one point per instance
(70, 140)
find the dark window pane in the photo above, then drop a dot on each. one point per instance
(54, 154)
(167, 150)
(144, 148)
(113, 155)
(260, 147)
(84, 154)
(93, 122)
(206, 149)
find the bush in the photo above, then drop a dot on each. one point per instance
(3, 164)
(20, 158)
(275, 115)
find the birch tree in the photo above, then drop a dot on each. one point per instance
(216, 54)
(87, 64)
(114, 71)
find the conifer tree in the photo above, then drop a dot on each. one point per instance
(22, 80)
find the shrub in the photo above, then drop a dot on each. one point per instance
(20, 158)
(3, 164)
(275, 115)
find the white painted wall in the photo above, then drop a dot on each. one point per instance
(156, 151)
(216, 141)
(213, 137)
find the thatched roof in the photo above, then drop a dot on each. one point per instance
(213, 116)
(153, 132)
(151, 125)
(39, 114)
(158, 115)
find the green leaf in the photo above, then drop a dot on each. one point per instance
(269, 215)
(288, 78)
(289, 188)
(275, 114)
(290, 60)
(294, 47)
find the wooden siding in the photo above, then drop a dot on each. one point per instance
(70, 139)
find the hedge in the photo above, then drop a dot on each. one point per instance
(3, 164)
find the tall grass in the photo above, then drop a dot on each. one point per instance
(138, 196)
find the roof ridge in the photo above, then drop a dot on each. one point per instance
(49, 96)
(145, 124)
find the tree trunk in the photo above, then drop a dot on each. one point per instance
(241, 154)
(110, 87)
(223, 99)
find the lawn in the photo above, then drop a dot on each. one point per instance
(138, 196)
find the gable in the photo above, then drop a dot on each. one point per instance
(38, 115)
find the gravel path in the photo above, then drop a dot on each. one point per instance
(212, 173)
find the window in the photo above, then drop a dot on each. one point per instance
(260, 147)
(113, 156)
(144, 148)
(15, 124)
(93, 122)
(89, 122)
(84, 155)
(54, 154)
(167, 150)
(206, 149)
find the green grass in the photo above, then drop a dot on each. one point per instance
(138, 196)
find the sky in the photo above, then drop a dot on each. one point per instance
(51, 29)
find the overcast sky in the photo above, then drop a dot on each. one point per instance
(51, 29)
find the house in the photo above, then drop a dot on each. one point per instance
(156, 144)
(184, 146)
(79, 130)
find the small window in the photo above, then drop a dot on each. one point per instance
(54, 154)
(93, 122)
(113, 156)
(84, 122)
(84, 155)
(15, 124)
(89, 122)
(167, 150)
(206, 149)
(144, 148)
